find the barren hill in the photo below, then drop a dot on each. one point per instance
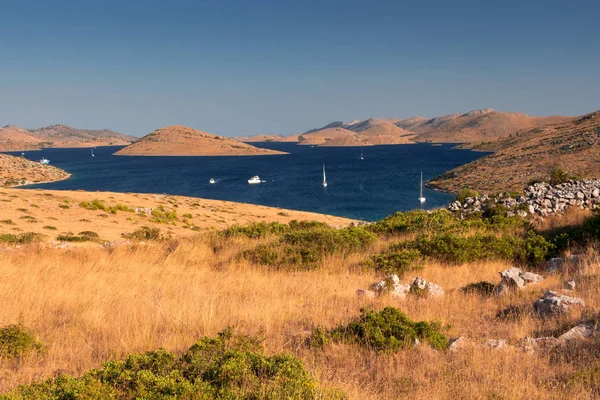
(369, 132)
(66, 136)
(177, 140)
(574, 146)
(16, 171)
(259, 138)
(14, 138)
(477, 126)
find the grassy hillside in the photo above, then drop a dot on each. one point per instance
(293, 286)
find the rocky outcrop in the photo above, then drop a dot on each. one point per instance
(557, 264)
(515, 278)
(391, 285)
(539, 199)
(553, 304)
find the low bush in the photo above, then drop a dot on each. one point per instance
(482, 288)
(305, 248)
(101, 205)
(227, 366)
(16, 341)
(161, 215)
(464, 193)
(398, 262)
(256, 230)
(50, 227)
(386, 330)
(23, 238)
(145, 233)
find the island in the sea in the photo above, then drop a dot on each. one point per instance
(177, 140)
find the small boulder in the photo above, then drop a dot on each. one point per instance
(555, 265)
(530, 277)
(533, 345)
(512, 277)
(459, 343)
(430, 289)
(570, 285)
(400, 290)
(497, 344)
(579, 333)
(552, 304)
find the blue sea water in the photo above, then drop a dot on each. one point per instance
(385, 181)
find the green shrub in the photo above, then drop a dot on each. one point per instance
(7, 222)
(89, 234)
(23, 238)
(223, 367)
(256, 230)
(161, 215)
(145, 233)
(482, 288)
(558, 175)
(386, 330)
(304, 248)
(101, 205)
(50, 227)
(398, 262)
(464, 193)
(16, 341)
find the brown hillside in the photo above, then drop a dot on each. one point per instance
(177, 140)
(66, 136)
(260, 138)
(15, 171)
(14, 138)
(370, 132)
(478, 126)
(575, 146)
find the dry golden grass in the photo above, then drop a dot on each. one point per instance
(91, 305)
(36, 210)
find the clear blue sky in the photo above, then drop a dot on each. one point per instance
(243, 67)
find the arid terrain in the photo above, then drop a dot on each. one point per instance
(52, 213)
(472, 128)
(529, 155)
(90, 304)
(16, 171)
(14, 138)
(179, 140)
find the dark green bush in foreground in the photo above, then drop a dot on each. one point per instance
(456, 249)
(16, 341)
(386, 330)
(397, 262)
(223, 367)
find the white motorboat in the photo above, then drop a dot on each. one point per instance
(255, 179)
(324, 177)
(421, 198)
(212, 180)
(44, 161)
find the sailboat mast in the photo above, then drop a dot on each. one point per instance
(324, 179)
(421, 185)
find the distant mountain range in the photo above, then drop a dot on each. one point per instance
(177, 140)
(14, 138)
(473, 127)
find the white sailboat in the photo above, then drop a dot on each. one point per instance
(421, 198)
(93, 153)
(361, 154)
(324, 177)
